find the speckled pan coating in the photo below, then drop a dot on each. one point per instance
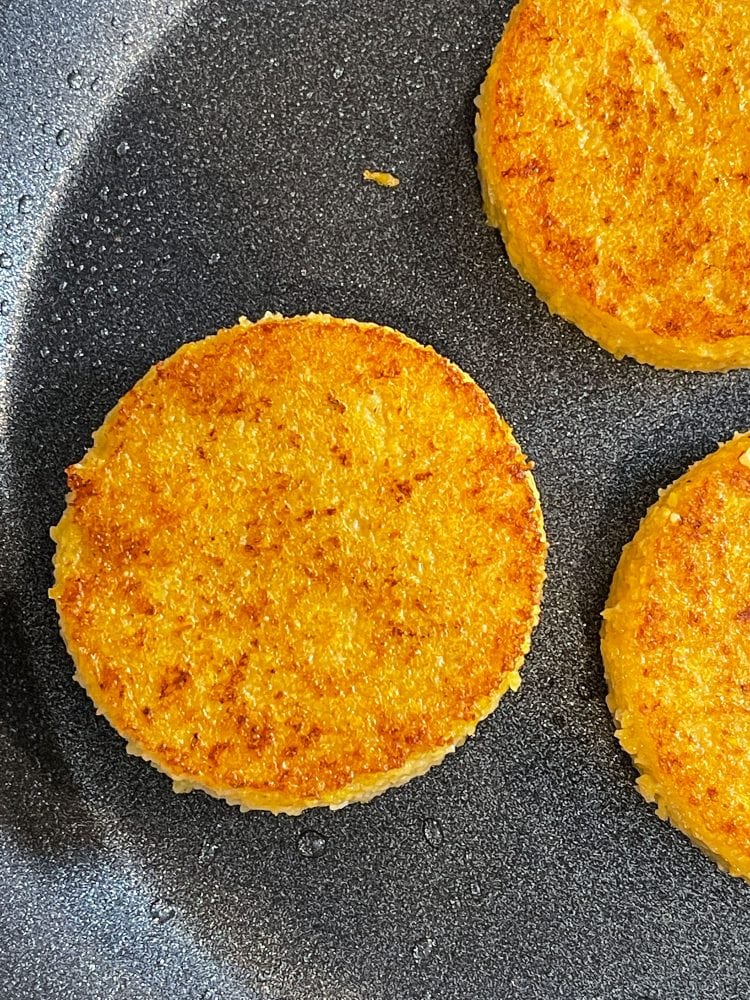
(214, 169)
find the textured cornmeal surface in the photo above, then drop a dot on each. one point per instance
(608, 139)
(301, 561)
(676, 648)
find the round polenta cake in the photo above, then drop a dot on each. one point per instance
(676, 649)
(609, 140)
(302, 560)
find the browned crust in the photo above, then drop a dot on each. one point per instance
(301, 561)
(607, 144)
(676, 649)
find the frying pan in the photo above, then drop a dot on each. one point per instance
(164, 169)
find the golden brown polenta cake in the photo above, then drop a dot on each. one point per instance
(612, 158)
(676, 649)
(302, 560)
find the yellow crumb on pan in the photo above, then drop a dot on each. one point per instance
(381, 177)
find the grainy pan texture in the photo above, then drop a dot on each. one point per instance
(215, 168)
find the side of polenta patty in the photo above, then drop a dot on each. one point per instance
(676, 650)
(302, 560)
(607, 142)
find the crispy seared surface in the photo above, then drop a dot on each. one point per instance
(676, 648)
(612, 158)
(301, 561)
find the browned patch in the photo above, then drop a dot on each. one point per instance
(173, 680)
(673, 38)
(336, 404)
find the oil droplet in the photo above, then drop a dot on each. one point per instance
(265, 973)
(95, 83)
(208, 850)
(161, 911)
(128, 38)
(558, 720)
(338, 72)
(63, 137)
(75, 80)
(24, 204)
(433, 831)
(6, 261)
(423, 948)
(122, 149)
(311, 844)
(4, 308)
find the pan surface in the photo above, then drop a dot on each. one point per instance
(164, 169)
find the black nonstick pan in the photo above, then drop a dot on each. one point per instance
(164, 169)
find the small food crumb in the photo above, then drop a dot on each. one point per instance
(675, 518)
(381, 177)
(745, 459)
